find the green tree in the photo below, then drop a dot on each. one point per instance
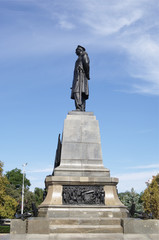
(131, 197)
(14, 189)
(29, 198)
(7, 204)
(15, 193)
(38, 192)
(15, 178)
(150, 198)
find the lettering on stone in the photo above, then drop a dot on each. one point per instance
(77, 195)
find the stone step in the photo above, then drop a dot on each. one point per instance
(85, 221)
(84, 213)
(88, 236)
(86, 229)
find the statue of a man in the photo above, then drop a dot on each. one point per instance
(80, 91)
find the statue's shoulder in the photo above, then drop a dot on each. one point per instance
(85, 57)
(85, 53)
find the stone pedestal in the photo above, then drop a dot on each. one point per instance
(81, 153)
(81, 189)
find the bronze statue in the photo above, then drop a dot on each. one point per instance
(80, 91)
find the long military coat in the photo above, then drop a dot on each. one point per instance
(81, 77)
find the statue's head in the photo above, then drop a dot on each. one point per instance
(80, 50)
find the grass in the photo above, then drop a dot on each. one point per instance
(4, 229)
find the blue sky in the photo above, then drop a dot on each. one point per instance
(37, 46)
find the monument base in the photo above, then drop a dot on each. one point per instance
(56, 229)
(82, 197)
(92, 213)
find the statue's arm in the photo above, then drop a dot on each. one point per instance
(86, 65)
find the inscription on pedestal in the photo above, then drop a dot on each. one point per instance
(92, 195)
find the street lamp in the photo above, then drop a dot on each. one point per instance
(22, 205)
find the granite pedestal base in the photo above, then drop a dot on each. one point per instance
(54, 205)
(82, 197)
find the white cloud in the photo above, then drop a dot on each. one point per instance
(137, 175)
(146, 166)
(143, 53)
(106, 18)
(66, 24)
(125, 26)
(134, 180)
(130, 27)
(46, 170)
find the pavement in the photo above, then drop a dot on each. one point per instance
(113, 236)
(4, 236)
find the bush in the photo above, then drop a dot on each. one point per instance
(4, 229)
(150, 198)
(132, 199)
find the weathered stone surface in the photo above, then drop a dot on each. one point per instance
(29, 237)
(80, 236)
(111, 197)
(81, 153)
(38, 226)
(91, 227)
(83, 171)
(85, 221)
(102, 236)
(54, 195)
(74, 112)
(75, 211)
(86, 229)
(18, 226)
(55, 183)
(140, 226)
(76, 180)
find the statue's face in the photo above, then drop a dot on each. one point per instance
(79, 51)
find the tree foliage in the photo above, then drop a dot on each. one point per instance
(14, 188)
(150, 198)
(7, 203)
(131, 197)
(11, 191)
(29, 198)
(38, 193)
(15, 178)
